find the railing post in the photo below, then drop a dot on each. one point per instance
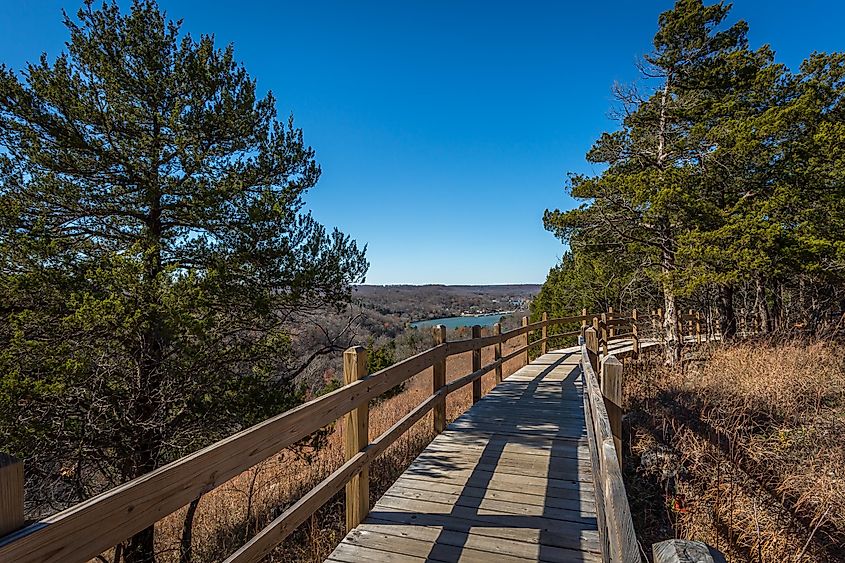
(611, 330)
(544, 347)
(497, 351)
(597, 328)
(11, 494)
(476, 364)
(356, 438)
(603, 333)
(611, 389)
(635, 333)
(583, 321)
(591, 339)
(524, 324)
(438, 381)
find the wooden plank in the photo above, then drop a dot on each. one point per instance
(574, 536)
(515, 353)
(545, 333)
(566, 450)
(476, 365)
(475, 343)
(350, 553)
(570, 510)
(431, 550)
(11, 494)
(524, 550)
(497, 352)
(575, 435)
(617, 528)
(623, 544)
(356, 436)
(474, 442)
(486, 474)
(503, 483)
(484, 515)
(438, 380)
(526, 326)
(570, 500)
(611, 389)
(531, 466)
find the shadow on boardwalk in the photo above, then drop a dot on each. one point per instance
(509, 480)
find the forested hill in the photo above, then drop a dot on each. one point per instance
(432, 301)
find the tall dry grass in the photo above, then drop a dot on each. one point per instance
(232, 513)
(743, 449)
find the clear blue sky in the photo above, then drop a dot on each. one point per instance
(444, 128)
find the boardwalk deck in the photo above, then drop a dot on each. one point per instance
(509, 480)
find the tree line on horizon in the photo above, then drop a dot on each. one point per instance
(724, 183)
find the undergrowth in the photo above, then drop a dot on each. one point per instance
(743, 449)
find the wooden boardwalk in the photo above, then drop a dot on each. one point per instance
(509, 480)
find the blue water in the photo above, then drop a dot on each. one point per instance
(455, 322)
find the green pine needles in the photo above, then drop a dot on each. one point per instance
(153, 253)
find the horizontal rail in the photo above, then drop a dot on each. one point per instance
(470, 377)
(129, 508)
(89, 528)
(280, 528)
(461, 346)
(616, 527)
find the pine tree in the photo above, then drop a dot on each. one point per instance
(154, 251)
(651, 193)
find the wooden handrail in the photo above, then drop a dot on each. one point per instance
(616, 528)
(89, 528)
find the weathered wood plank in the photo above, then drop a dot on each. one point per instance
(510, 479)
(524, 550)
(11, 494)
(550, 533)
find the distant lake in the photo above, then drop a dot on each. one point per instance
(455, 322)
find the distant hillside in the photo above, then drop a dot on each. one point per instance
(415, 302)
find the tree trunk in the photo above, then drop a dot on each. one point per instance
(185, 551)
(727, 315)
(671, 326)
(147, 438)
(761, 305)
(141, 547)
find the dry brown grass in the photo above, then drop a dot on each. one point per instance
(744, 449)
(227, 516)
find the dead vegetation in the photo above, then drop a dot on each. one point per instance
(744, 449)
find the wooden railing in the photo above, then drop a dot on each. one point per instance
(90, 528)
(87, 529)
(603, 413)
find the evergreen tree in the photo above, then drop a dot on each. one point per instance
(153, 250)
(651, 193)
